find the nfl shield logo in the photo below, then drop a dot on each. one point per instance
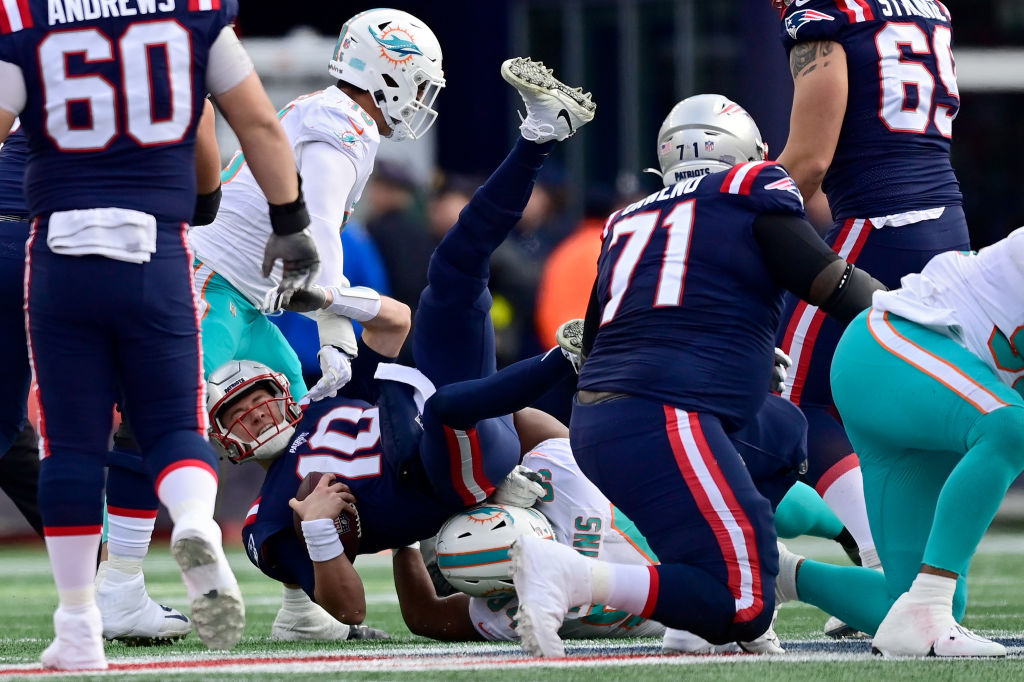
(709, 145)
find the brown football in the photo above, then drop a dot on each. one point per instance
(347, 524)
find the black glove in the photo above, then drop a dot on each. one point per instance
(306, 300)
(299, 259)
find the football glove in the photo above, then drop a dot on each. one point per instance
(299, 259)
(779, 371)
(337, 371)
(521, 488)
(305, 300)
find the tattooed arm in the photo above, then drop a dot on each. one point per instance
(819, 105)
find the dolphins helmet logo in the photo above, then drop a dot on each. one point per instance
(805, 16)
(396, 44)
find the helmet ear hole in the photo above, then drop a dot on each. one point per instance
(389, 81)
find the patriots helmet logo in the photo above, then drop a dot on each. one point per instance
(805, 16)
(786, 184)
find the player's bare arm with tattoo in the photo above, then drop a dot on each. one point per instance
(820, 90)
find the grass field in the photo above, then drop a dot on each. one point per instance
(27, 600)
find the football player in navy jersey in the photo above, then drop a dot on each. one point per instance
(678, 351)
(110, 106)
(875, 95)
(410, 456)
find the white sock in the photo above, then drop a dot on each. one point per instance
(121, 567)
(295, 600)
(621, 586)
(845, 497)
(188, 487)
(129, 531)
(73, 562)
(869, 558)
(932, 588)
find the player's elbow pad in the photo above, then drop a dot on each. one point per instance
(852, 294)
(207, 206)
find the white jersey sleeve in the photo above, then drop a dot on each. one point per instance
(581, 515)
(233, 244)
(974, 298)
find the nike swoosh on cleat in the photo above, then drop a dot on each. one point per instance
(565, 114)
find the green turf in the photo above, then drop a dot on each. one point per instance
(27, 600)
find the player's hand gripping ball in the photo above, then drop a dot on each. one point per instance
(347, 519)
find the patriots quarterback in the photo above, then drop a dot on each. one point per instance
(411, 446)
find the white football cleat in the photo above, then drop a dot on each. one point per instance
(79, 641)
(130, 615)
(570, 339)
(550, 578)
(837, 629)
(685, 642)
(914, 628)
(767, 644)
(554, 111)
(785, 582)
(218, 612)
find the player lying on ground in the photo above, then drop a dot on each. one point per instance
(409, 457)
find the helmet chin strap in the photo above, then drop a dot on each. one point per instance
(273, 448)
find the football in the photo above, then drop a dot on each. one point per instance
(347, 524)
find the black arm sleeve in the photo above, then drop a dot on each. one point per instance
(796, 256)
(206, 208)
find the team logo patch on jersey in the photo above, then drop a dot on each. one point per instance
(805, 16)
(396, 45)
(786, 184)
(348, 139)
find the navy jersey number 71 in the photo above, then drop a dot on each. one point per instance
(688, 310)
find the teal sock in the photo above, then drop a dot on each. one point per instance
(803, 512)
(857, 596)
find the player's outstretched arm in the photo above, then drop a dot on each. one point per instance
(426, 614)
(338, 588)
(820, 92)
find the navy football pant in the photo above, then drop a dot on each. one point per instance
(679, 478)
(453, 336)
(14, 366)
(101, 330)
(810, 337)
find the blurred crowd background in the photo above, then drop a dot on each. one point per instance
(638, 57)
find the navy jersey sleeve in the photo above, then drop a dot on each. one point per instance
(814, 20)
(766, 186)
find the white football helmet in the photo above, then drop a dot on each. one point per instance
(705, 134)
(230, 382)
(396, 58)
(473, 545)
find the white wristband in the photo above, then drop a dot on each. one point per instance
(322, 541)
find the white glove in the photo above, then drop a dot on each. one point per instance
(779, 375)
(337, 370)
(521, 488)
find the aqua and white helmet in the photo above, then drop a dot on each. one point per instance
(473, 545)
(705, 134)
(396, 58)
(230, 382)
